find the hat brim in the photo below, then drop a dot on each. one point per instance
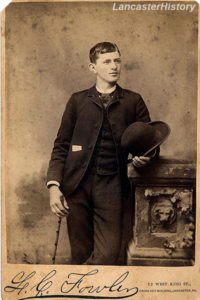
(164, 131)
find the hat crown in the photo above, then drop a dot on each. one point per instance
(141, 138)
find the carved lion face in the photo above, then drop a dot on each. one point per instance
(163, 212)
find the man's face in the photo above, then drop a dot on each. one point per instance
(108, 67)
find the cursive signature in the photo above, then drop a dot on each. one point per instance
(76, 283)
(21, 283)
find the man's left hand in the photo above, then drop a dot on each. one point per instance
(140, 161)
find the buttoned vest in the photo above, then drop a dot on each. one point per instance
(104, 158)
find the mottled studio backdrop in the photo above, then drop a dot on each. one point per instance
(47, 47)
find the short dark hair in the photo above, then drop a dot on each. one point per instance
(101, 48)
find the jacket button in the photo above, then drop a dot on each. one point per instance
(89, 146)
(95, 125)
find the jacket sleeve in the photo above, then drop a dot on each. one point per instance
(62, 143)
(142, 113)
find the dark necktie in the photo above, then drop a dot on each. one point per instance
(106, 98)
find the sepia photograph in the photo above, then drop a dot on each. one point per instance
(99, 118)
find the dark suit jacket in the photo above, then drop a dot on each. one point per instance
(80, 126)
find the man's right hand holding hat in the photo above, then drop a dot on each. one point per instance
(143, 160)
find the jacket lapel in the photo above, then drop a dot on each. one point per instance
(93, 94)
(117, 94)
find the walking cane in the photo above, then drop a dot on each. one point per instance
(57, 233)
(56, 242)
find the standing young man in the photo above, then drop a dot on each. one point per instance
(88, 165)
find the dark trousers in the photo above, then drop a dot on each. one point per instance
(95, 220)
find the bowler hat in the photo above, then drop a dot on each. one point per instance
(142, 138)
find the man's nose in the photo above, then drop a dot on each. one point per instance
(113, 65)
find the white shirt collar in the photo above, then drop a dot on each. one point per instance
(106, 91)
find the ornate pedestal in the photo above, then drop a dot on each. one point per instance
(164, 214)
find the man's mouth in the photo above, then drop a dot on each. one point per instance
(114, 73)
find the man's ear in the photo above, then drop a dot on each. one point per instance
(92, 68)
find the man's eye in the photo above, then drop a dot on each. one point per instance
(106, 62)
